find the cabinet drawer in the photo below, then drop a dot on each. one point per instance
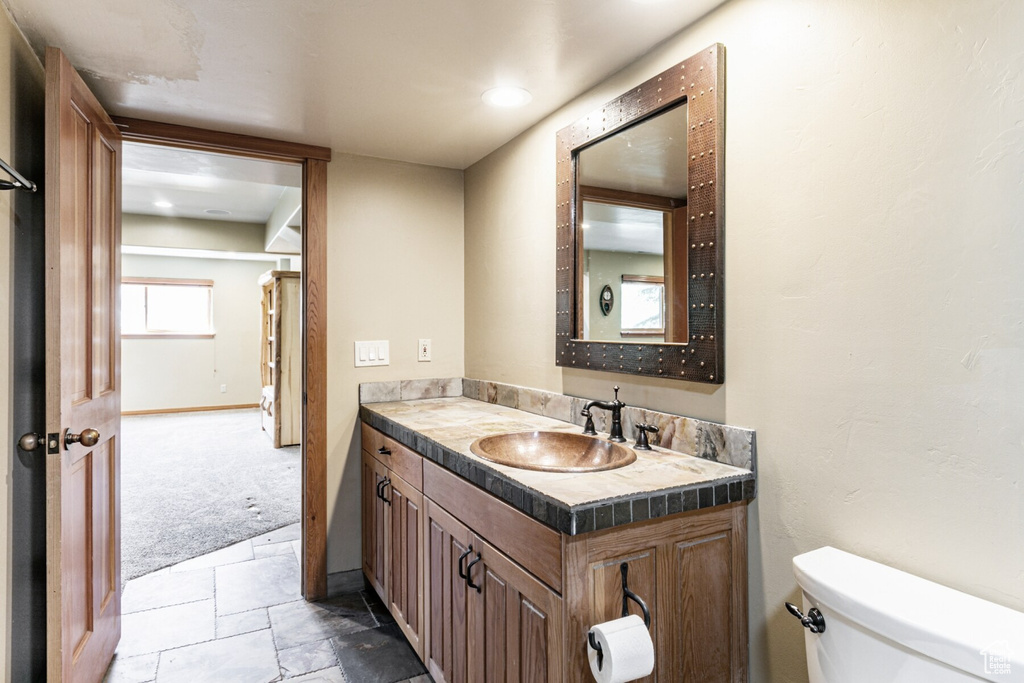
(536, 547)
(372, 440)
(406, 463)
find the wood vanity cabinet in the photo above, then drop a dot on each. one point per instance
(505, 598)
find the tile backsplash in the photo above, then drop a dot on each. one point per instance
(718, 442)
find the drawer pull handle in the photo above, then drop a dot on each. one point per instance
(384, 450)
(380, 485)
(384, 485)
(462, 558)
(469, 577)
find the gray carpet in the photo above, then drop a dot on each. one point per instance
(192, 483)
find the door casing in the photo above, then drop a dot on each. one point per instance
(314, 310)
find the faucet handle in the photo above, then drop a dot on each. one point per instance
(616, 388)
(642, 443)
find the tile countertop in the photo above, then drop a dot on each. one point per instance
(659, 483)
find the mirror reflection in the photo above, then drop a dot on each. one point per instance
(631, 205)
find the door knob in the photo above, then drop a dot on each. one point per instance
(88, 438)
(31, 441)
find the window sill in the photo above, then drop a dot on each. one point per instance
(166, 335)
(642, 333)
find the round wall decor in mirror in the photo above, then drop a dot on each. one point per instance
(640, 199)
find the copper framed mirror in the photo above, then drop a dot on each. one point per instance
(640, 212)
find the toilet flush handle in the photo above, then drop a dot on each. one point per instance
(814, 620)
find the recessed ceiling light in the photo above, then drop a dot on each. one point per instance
(218, 212)
(163, 205)
(506, 97)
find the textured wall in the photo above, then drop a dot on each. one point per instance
(875, 306)
(395, 259)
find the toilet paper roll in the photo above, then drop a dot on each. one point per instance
(627, 647)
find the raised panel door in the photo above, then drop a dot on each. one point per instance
(406, 594)
(376, 526)
(515, 629)
(446, 541)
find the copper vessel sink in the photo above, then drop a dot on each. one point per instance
(552, 452)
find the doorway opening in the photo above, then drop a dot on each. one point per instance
(211, 354)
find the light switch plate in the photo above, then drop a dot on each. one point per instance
(423, 354)
(368, 353)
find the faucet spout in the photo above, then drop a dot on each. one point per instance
(615, 408)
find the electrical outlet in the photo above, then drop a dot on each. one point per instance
(424, 351)
(223, 388)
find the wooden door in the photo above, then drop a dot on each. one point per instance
(445, 635)
(83, 388)
(376, 526)
(515, 623)
(406, 594)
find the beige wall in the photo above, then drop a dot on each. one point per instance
(395, 259)
(874, 293)
(17, 63)
(157, 374)
(191, 233)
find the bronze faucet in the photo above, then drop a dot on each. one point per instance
(616, 406)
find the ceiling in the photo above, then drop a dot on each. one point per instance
(649, 157)
(399, 79)
(611, 227)
(203, 185)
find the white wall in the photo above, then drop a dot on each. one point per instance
(395, 272)
(159, 374)
(875, 303)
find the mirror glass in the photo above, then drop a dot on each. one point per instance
(631, 205)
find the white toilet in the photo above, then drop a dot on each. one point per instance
(885, 625)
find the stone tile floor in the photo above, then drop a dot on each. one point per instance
(235, 616)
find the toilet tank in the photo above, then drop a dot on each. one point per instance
(883, 625)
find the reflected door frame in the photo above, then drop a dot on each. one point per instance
(314, 161)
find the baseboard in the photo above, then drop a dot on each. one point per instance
(199, 409)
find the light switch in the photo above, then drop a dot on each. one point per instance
(368, 353)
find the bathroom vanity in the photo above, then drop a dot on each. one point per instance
(498, 573)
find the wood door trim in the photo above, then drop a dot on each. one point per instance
(314, 296)
(204, 140)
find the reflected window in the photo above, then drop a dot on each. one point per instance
(643, 305)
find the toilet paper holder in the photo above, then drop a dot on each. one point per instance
(627, 595)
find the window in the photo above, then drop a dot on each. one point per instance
(166, 308)
(643, 305)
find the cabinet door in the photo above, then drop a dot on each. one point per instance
(515, 623)
(705, 623)
(406, 594)
(376, 527)
(691, 572)
(445, 631)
